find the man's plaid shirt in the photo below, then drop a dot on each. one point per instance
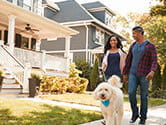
(147, 63)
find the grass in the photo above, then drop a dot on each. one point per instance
(87, 99)
(22, 112)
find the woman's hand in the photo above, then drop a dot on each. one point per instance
(124, 79)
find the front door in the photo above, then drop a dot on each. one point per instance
(25, 43)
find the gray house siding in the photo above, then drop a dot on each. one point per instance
(78, 41)
(53, 45)
(100, 15)
(79, 56)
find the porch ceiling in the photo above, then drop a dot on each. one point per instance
(47, 28)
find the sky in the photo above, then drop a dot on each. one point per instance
(123, 7)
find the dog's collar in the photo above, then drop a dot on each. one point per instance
(106, 103)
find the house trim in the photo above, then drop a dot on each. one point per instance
(49, 28)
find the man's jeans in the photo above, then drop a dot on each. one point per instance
(134, 81)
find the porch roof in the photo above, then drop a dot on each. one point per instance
(47, 28)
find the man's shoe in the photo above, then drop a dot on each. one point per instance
(134, 118)
(142, 121)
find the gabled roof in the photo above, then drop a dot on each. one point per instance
(97, 5)
(70, 11)
(50, 4)
(93, 5)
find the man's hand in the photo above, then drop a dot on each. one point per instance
(124, 79)
(150, 75)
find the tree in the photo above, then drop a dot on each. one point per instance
(164, 78)
(158, 10)
(83, 66)
(94, 75)
(73, 71)
(156, 81)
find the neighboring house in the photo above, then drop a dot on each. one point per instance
(91, 20)
(21, 29)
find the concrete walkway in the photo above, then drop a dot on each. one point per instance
(156, 115)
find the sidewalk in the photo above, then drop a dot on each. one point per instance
(156, 115)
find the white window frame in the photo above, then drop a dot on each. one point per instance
(100, 37)
(108, 18)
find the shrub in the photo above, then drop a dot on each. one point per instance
(83, 66)
(73, 71)
(158, 93)
(1, 72)
(164, 78)
(35, 76)
(62, 85)
(94, 76)
(156, 81)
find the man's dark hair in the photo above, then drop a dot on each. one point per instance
(139, 29)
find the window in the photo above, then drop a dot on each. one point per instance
(99, 37)
(26, 4)
(24, 43)
(108, 18)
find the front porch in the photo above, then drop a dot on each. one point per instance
(21, 32)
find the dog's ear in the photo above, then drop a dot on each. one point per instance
(95, 94)
(115, 81)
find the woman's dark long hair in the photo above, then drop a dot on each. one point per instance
(108, 46)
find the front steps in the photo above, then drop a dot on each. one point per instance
(10, 87)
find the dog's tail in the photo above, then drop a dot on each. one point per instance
(115, 81)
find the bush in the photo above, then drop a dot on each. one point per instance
(1, 72)
(164, 78)
(35, 76)
(60, 85)
(94, 76)
(158, 93)
(156, 81)
(84, 67)
(73, 71)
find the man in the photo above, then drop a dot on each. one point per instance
(141, 64)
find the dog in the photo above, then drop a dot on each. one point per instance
(111, 97)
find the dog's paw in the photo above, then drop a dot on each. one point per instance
(103, 122)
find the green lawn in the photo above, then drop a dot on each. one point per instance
(22, 112)
(88, 99)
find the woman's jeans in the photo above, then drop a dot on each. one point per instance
(134, 81)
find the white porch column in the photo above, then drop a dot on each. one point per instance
(67, 51)
(27, 74)
(38, 42)
(43, 60)
(29, 42)
(2, 34)
(11, 32)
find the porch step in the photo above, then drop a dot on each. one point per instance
(10, 85)
(8, 80)
(11, 90)
(14, 95)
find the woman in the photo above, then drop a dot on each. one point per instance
(114, 59)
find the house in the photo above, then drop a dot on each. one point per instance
(22, 26)
(91, 20)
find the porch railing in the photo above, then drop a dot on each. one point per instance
(14, 67)
(41, 59)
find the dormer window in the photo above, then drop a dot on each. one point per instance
(108, 18)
